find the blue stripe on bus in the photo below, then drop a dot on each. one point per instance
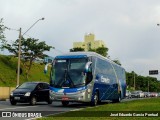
(71, 56)
(67, 90)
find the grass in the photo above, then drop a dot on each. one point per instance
(8, 76)
(103, 111)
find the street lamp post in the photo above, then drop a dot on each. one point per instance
(19, 49)
(134, 81)
(19, 55)
(148, 86)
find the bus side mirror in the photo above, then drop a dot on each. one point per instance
(46, 68)
(88, 67)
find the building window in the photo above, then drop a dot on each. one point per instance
(89, 46)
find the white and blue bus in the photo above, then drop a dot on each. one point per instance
(86, 77)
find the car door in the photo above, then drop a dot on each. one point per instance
(43, 92)
(46, 91)
(39, 92)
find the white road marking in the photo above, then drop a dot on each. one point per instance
(17, 107)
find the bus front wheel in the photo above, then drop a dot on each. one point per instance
(95, 100)
(65, 103)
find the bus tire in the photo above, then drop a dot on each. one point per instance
(65, 103)
(117, 100)
(95, 99)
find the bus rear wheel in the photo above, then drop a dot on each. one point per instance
(117, 100)
(65, 103)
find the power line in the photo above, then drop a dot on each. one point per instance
(18, 31)
(58, 50)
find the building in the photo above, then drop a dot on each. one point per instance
(89, 43)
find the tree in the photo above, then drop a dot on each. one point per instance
(2, 37)
(117, 62)
(141, 82)
(30, 50)
(102, 51)
(76, 49)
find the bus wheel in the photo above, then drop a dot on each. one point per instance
(95, 100)
(65, 103)
(117, 100)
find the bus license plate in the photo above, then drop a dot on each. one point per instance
(65, 98)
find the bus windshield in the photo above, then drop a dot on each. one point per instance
(68, 73)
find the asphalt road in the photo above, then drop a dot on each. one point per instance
(26, 111)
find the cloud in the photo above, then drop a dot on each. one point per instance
(128, 27)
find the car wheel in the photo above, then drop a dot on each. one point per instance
(33, 101)
(95, 100)
(13, 102)
(65, 103)
(49, 101)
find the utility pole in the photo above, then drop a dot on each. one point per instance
(148, 86)
(19, 48)
(134, 80)
(19, 56)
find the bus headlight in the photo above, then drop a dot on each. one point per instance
(80, 98)
(89, 90)
(27, 94)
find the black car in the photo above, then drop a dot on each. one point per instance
(30, 92)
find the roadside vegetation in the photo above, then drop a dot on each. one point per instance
(141, 82)
(8, 74)
(137, 106)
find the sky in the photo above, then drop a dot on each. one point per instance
(128, 27)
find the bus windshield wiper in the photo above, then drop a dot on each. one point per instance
(70, 80)
(79, 84)
(64, 79)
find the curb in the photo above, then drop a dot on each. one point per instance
(4, 99)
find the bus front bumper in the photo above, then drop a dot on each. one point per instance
(71, 97)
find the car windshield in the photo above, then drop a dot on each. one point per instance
(68, 72)
(30, 86)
